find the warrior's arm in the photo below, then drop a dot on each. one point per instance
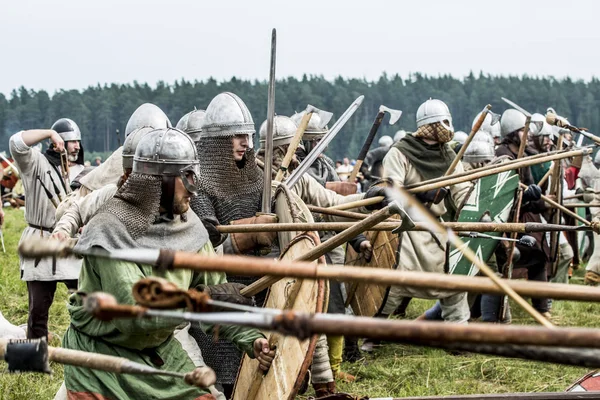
(83, 209)
(459, 191)
(311, 192)
(242, 337)
(395, 167)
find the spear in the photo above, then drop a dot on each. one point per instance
(254, 266)
(303, 325)
(517, 227)
(33, 356)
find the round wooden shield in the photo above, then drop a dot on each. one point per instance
(366, 299)
(293, 357)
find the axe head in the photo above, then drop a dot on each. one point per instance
(495, 118)
(324, 115)
(394, 114)
(407, 223)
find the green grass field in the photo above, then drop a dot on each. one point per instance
(394, 370)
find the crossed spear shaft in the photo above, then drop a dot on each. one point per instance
(535, 343)
(33, 356)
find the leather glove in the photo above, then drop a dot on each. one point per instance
(434, 196)
(229, 292)
(245, 242)
(215, 237)
(375, 191)
(532, 193)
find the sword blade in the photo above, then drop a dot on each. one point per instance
(266, 196)
(516, 106)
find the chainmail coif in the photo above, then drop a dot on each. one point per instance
(227, 190)
(136, 203)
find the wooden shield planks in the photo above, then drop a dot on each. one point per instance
(293, 357)
(367, 299)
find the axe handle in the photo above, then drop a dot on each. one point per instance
(463, 149)
(366, 145)
(524, 138)
(293, 146)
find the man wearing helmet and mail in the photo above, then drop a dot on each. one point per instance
(422, 155)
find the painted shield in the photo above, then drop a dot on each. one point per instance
(367, 299)
(491, 200)
(293, 356)
(588, 383)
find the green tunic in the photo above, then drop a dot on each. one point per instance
(130, 338)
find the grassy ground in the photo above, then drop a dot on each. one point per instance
(394, 370)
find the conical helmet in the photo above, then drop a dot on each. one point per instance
(191, 123)
(147, 114)
(67, 129)
(284, 130)
(433, 111)
(227, 116)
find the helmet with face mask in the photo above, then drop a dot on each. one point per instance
(191, 123)
(168, 152)
(147, 115)
(434, 121)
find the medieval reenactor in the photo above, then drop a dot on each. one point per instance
(46, 179)
(150, 210)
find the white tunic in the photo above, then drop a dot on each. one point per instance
(39, 211)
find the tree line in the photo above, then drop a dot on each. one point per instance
(101, 111)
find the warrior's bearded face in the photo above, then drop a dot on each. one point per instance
(181, 197)
(240, 145)
(73, 147)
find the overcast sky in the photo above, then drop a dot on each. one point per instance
(72, 44)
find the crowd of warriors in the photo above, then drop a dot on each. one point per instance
(172, 187)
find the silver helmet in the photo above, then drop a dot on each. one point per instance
(130, 145)
(399, 135)
(490, 124)
(168, 152)
(386, 141)
(597, 159)
(67, 129)
(147, 114)
(284, 130)
(460, 137)
(227, 116)
(539, 126)
(481, 149)
(313, 129)
(433, 111)
(191, 123)
(511, 121)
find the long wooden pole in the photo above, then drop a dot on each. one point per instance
(327, 246)
(561, 208)
(463, 149)
(487, 167)
(293, 146)
(527, 227)
(256, 266)
(498, 169)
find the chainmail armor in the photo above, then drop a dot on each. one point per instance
(136, 203)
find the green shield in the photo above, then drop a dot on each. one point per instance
(490, 200)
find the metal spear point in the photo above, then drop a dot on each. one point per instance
(525, 240)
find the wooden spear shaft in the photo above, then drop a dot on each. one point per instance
(498, 169)
(255, 266)
(327, 246)
(463, 148)
(527, 227)
(561, 208)
(293, 146)
(486, 168)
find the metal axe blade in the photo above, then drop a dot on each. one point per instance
(324, 115)
(394, 114)
(495, 117)
(516, 107)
